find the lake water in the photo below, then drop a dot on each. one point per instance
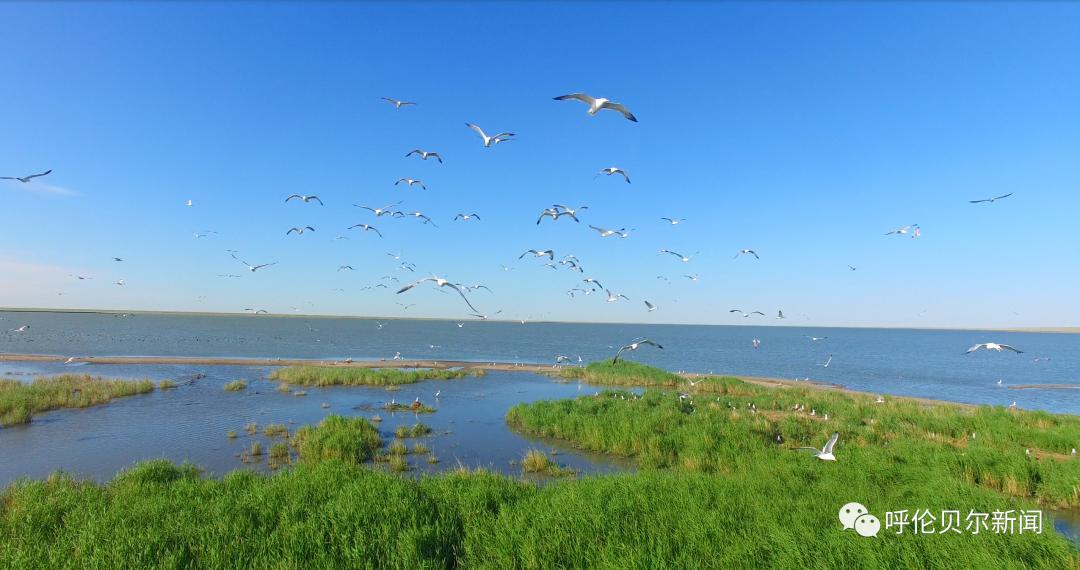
(925, 363)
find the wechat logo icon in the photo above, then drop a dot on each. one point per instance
(855, 516)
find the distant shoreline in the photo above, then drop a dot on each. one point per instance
(1035, 329)
(488, 365)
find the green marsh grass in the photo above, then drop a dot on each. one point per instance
(20, 401)
(353, 440)
(398, 463)
(166, 385)
(399, 407)
(251, 428)
(231, 434)
(276, 430)
(536, 461)
(235, 386)
(397, 447)
(419, 448)
(416, 430)
(347, 376)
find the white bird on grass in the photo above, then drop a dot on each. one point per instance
(596, 104)
(825, 453)
(492, 140)
(634, 345)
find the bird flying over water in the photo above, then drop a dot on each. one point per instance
(745, 315)
(681, 257)
(398, 104)
(612, 297)
(492, 140)
(550, 253)
(439, 281)
(674, 221)
(305, 199)
(991, 200)
(606, 232)
(913, 229)
(466, 217)
(634, 345)
(650, 306)
(300, 231)
(614, 170)
(366, 228)
(25, 179)
(596, 104)
(252, 268)
(411, 182)
(745, 251)
(424, 155)
(993, 346)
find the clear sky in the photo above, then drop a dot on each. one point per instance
(802, 131)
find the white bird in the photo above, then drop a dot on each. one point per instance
(606, 232)
(674, 221)
(999, 383)
(825, 453)
(397, 356)
(913, 228)
(257, 311)
(744, 251)
(1073, 452)
(1013, 405)
(691, 277)
(466, 217)
(614, 170)
(420, 216)
(746, 315)
(439, 281)
(384, 211)
(300, 231)
(25, 179)
(596, 104)
(817, 338)
(119, 283)
(650, 306)
(492, 140)
(188, 204)
(424, 155)
(21, 329)
(549, 253)
(460, 325)
(634, 345)
(827, 362)
(991, 200)
(366, 228)
(612, 297)
(572, 212)
(992, 346)
(253, 268)
(681, 257)
(852, 267)
(398, 104)
(879, 400)
(305, 199)
(411, 182)
(780, 315)
(756, 343)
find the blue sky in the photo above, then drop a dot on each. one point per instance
(803, 131)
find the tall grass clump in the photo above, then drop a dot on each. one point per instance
(346, 376)
(416, 430)
(235, 386)
(166, 385)
(20, 401)
(353, 440)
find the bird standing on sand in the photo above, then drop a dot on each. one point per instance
(596, 104)
(825, 453)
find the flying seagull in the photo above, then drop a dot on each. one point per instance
(398, 104)
(25, 179)
(745, 315)
(550, 253)
(913, 228)
(492, 140)
(606, 232)
(466, 217)
(411, 182)
(993, 346)
(650, 306)
(306, 199)
(346, 267)
(384, 211)
(300, 231)
(554, 214)
(598, 103)
(257, 311)
(634, 346)
(744, 251)
(441, 283)
(780, 314)
(366, 228)
(612, 297)
(614, 170)
(572, 212)
(117, 259)
(991, 200)
(852, 267)
(424, 155)
(674, 221)
(825, 453)
(681, 257)
(21, 329)
(592, 281)
(253, 268)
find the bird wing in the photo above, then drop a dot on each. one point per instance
(291, 230)
(754, 253)
(414, 151)
(578, 96)
(974, 348)
(1005, 196)
(551, 254)
(436, 155)
(37, 175)
(375, 230)
(1007, 347)
(979, 201)
(758, 313)
(264, 265)
(462, 293)
(317, 199)
(648, 304)
(624, 175)
(294, 196)
(618, 354)
(832, 442)
(394, 101)
(8, 178)
(620, 108)
(735, 311)
(478, 130)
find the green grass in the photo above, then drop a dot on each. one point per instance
(166, 385)
(276, 430)
(416, 430)
(20, 401)
(399, 407)
(397, 447)
(235, 386)
(231, 434)
(536, 461)
(353, 440)
(622, 373)
(398, 463)
(348, 376)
